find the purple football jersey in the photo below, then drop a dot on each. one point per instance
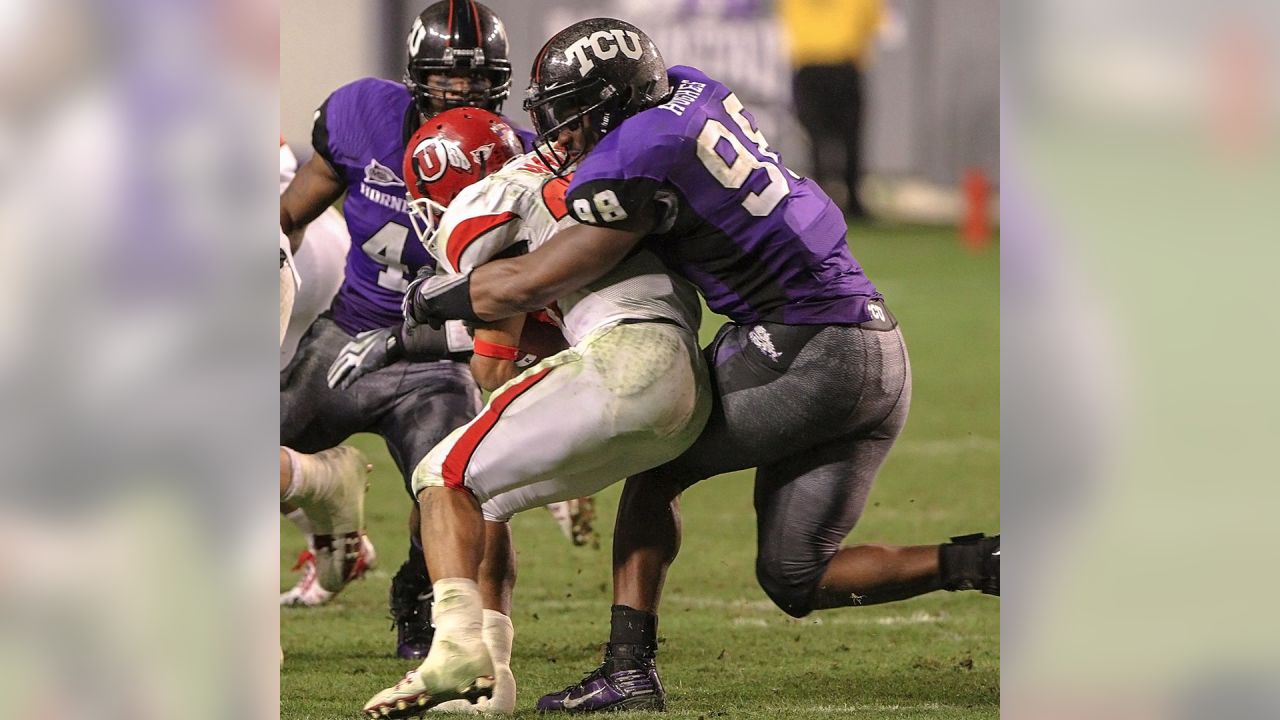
(761, 243)
(362, 130)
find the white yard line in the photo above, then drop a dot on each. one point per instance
(859, 708)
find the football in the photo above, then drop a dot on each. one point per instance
(540, 338)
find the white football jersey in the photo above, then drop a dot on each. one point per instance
(522, 206)
(318, 266)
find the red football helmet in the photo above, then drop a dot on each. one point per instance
(450, 151)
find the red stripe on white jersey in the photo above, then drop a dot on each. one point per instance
(455, 463)
(470, 230)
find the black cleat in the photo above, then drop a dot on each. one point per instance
(410, 603)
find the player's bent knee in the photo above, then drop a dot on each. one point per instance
(791, 586)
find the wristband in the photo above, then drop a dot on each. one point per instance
(443, 299)
(496, 351)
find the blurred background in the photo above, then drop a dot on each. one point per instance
(920, 77)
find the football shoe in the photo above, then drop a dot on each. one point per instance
(307, 591)
(620, 683)
(334, 504)
(576, 519)
(452, 671)
(410, 604)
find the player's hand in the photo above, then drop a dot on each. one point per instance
(432, 299)
(371, 350)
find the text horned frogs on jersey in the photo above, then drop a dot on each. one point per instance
(520, 207)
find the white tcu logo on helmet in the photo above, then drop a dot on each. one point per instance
(604, 45)
(436, 154)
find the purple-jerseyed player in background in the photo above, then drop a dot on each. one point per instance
(811, 375)
(457, 55)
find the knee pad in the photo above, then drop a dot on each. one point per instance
(791, 586)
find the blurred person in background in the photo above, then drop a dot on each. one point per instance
(457, 56)
(831, 46)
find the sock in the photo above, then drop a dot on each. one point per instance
(295, 474)
(300, 521)
(633, 634)
(499, 636)
(457, 612)
(313, 477)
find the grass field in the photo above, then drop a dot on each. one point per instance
(725, 651)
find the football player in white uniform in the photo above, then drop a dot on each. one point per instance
(631, 392)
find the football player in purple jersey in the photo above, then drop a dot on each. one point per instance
(811, 374)
(457, 55)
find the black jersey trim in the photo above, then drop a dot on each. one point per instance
(320, 134)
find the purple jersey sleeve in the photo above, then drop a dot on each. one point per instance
(361, 129)
(761, 243)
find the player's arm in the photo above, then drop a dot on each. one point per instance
(573, 258)
(493, 361)
(312, 190)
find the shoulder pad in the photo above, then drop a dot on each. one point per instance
(482, 222)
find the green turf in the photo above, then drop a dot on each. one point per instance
(726, 652)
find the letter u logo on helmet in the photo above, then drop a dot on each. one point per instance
(457, 38)
(450, 152)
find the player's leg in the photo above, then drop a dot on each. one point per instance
(286, 473)
(565, 428)
(421, 403)
(808, 503)
(779, 391)
(307, 591)
(810, 97)
(458, 665)
(647, 539)
(801, 564)
(497, 582)
(329, 479)
(850, 102)
(329, 488)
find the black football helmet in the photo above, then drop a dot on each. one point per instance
(458, 37)
(602, 69)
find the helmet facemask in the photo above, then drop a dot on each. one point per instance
(424, 216)
(588, 105)
(457, 39)
(433, 93)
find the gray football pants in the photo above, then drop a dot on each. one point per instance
(413, 406)
(816, 409)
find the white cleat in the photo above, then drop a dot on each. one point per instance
(335, 507)
(307, 591)
(502, 702)
(576, 519)
(451, 672)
